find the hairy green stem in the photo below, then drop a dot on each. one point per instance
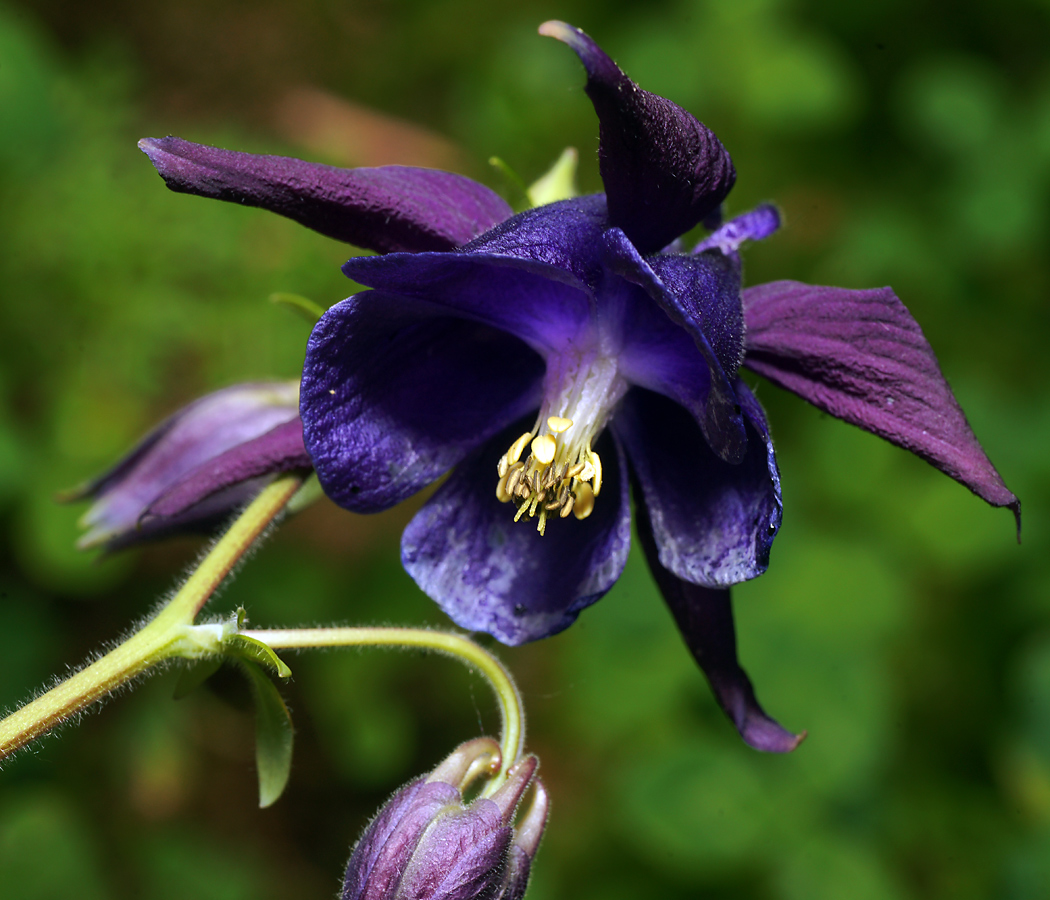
(512, 710)
(162, 637)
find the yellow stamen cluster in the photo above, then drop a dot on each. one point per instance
(554, 478)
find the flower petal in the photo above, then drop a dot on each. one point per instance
(705, 619)
(701, 293)
(663, 170)
(490, 573)
(279, 450)
(860, 356)
(461, 856)
(395, 393)
(390, 208)
(756, 225)
(203, 518)
(713, 522)
(175, 449)
(565, 235)
(659, 355)
(379, 857)
(542, 304)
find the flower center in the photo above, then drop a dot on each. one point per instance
(562, 475)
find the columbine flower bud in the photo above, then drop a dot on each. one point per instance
(425, 844)
(196, 466)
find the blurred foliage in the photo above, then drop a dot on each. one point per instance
(908, 144)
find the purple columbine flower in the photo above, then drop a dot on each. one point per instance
(425, 844)
(197, 466)
(550, 358)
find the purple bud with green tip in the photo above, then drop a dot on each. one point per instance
(197, 466)
(426, 844)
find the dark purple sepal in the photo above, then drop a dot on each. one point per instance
(663, 170)
(389, 208)
(395, 392)
(705, 619)
(860, 356)
(703, 291)
(492, 574)
(713, 522)
(279, 450)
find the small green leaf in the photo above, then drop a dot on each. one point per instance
(302, 305)
(194, 675)
(273, 735)
(240, 646)
(558, 183)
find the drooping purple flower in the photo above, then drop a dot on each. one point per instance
(551, 358)
(426, 844)
(197, 466)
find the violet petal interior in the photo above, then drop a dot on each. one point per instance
(722, 424)
(528, 299)
(395, 393)
(713, 522)
(490, 573)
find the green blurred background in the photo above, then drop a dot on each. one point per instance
(907, 144)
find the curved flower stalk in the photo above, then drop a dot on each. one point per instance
(197, 466)
(550, 358)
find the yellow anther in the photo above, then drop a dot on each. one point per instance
(543, 449)
(502, 494)
(557, 476)
(514, 477)
(514, 453)
(596, 462)
(575, 471)
(584, 504)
